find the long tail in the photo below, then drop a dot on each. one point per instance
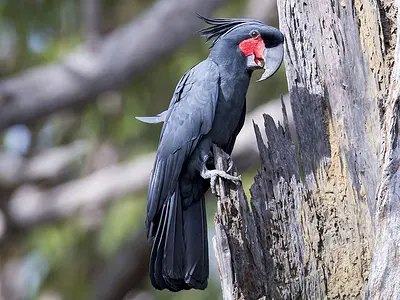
(179, 258)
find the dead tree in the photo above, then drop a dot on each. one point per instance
(323, 221)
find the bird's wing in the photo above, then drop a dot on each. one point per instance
(156, 119)
(189, 117)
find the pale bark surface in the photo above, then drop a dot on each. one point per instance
(324, 220)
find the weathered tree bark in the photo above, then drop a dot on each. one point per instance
(324, 215)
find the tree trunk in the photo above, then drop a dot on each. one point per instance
(324, 214)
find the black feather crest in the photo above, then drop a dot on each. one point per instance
(220, 26)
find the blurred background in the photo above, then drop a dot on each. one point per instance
(74, 162)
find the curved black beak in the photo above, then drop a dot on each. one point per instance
(272, 60)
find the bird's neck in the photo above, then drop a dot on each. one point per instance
(230, 61)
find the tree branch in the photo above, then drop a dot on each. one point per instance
(120, 56)
(93, 191)
(47, 166)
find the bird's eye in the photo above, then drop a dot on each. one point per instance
(254, 33)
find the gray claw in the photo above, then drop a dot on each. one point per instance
(213, 174)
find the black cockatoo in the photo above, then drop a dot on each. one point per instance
(208, 107)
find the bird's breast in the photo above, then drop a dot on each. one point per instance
(231, 101)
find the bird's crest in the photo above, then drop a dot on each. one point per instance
(221, 26)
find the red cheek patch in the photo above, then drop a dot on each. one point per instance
(252, 46)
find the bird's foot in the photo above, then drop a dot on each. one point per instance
(214, 174)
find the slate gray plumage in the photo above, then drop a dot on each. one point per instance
(208, 107)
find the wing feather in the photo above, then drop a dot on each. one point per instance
(189, 117)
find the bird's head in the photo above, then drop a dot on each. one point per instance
(261, 45)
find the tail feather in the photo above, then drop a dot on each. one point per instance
(179, 259)
(196, 252)
(174, 245)
(156, 278)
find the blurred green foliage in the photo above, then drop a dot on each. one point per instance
(117, 226)
(38, 32)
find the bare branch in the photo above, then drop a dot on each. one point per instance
(84, 74)
(29, 205)
(49, 165)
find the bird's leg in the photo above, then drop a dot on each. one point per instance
(205, 173)
(214, 174)
(209, 174)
